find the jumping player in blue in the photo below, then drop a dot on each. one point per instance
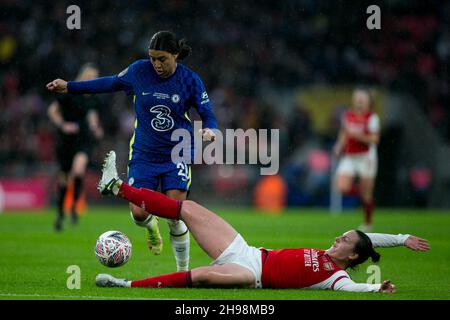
(163, 92)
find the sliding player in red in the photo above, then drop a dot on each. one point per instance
(236, 264)
(357, 142)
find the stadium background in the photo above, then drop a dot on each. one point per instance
(289, 65)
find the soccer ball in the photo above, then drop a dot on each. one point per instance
(113, 249)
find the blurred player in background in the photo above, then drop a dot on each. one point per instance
(357, 141)
(76, 118)
(236, 264)
(163, 92)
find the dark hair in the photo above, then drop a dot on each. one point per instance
(167, 41)
(369, 93)
(364, 249)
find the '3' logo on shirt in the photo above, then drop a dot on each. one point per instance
(163, 121)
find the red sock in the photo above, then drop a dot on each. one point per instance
(175, 280)
(151, 201)
(368, 210)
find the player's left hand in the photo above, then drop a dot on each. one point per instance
(387, 287)
(417, 244)
(207, 134)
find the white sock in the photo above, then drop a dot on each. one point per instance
(180, 240)
(148, 223)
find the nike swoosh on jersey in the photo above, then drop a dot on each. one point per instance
(145, 93)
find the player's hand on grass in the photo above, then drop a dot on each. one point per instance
(417, 244)
(207, 134)
(57, 85)
(387, 287)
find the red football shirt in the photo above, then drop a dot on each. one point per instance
(362, 124)
(296, 268)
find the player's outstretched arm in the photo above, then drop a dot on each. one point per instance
(390, 240)
(346, 284)
(99, 85)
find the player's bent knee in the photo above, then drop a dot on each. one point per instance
(343, 186)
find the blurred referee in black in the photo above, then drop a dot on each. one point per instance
(77, 122)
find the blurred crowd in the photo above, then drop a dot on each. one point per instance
(241, 49)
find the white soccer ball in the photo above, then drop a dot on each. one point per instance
(113, 249)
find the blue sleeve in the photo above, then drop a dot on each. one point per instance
(120, 82)
(202, 104)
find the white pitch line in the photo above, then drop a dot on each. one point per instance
(75, 297)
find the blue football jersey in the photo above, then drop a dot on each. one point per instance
(162, 106)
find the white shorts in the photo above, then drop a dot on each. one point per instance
(364, 165)
(239, 252)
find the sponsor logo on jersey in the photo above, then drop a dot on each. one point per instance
(163, 120)
(175, 98)
(159, 95)
(315, 261)
(307, 257)
(311, 259)
(205, 98)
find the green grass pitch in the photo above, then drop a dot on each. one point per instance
(34, 259)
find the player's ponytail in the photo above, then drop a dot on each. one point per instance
(167, 41)
(375, 256)
(364, 249)
(183, 49)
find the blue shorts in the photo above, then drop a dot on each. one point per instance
(150, 175)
